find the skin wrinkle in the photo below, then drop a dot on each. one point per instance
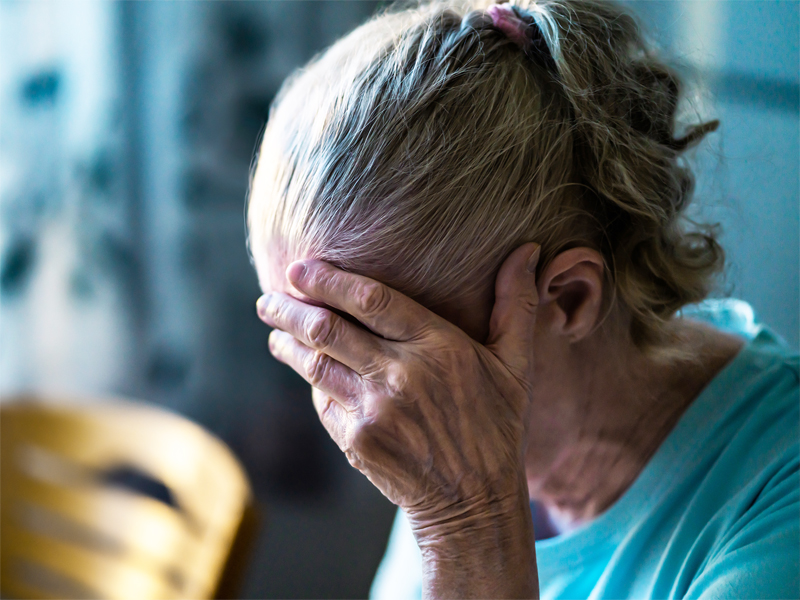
(647, 430)
(369, 162)
(501, 548)
(569, 484)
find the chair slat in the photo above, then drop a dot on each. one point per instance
(139, 530)
(60, 514)
(204, 478)
(111, 578)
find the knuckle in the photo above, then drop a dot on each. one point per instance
(353, 459)
(321, 329)
(361, 437)
(397, 378)
(374, 408)
(316, 367)
(373, 298)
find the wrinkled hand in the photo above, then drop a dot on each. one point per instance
(434, 419)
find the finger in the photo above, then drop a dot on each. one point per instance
(332, 415)
(318, 369)
(322, 329)
(514, 313)
(383, 310)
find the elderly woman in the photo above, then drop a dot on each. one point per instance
(469, 225)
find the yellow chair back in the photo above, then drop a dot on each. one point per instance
(114, 500)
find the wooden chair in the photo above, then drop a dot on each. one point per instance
(116, 500)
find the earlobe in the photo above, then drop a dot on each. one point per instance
(572, 284)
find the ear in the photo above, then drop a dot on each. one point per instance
(572, 287)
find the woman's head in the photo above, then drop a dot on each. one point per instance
(425, 146)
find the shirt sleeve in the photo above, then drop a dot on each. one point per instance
(762, 560)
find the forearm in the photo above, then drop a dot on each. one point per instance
(487, 553)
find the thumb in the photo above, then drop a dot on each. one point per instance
(514, 313)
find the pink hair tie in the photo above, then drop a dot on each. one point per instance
(523, 31)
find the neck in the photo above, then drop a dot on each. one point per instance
(602, 408)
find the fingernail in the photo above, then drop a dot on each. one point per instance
(261, 305)
(296, 271)
(534, 260)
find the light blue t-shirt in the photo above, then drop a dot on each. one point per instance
(715, 513)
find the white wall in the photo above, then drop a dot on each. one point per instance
(745, 56)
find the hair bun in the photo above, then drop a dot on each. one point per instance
(521, 28)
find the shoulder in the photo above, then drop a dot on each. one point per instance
(765, 373)
(755, 410)
(757, 551)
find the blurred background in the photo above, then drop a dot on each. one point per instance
(127, 131)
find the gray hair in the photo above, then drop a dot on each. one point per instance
(423, 147)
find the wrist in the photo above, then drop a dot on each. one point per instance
(479, 549)
(463, 521)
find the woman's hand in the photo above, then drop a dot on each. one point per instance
(434, 419)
